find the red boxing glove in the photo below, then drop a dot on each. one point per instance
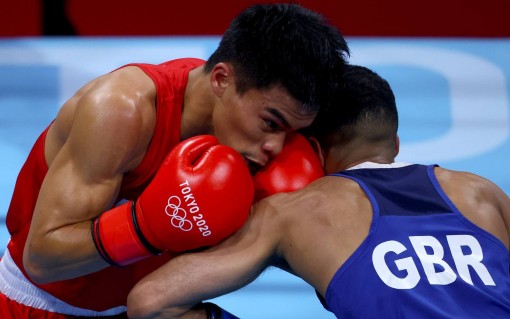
(201, 194)
(295, 167)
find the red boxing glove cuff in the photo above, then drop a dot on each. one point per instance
(117, 236)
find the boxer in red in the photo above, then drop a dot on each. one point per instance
(85, 217)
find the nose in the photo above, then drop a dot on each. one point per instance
(273, 145)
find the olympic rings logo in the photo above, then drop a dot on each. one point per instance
(178, 215)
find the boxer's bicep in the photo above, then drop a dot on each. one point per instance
(82, 181)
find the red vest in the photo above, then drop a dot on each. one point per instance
(109, 287)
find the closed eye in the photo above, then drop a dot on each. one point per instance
(271, 125)
(277, 119)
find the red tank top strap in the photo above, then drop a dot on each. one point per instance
(170, 79)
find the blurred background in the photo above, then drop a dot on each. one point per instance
(447, 61)
(450, 18)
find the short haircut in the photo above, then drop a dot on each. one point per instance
(364, 107)
(283, 45)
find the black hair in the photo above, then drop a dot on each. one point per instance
(364, 107)
(286, 45)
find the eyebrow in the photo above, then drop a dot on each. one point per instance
(280, 116)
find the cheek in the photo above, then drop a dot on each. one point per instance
(235, 126)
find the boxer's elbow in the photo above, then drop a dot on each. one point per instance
(141, 306)
(36, 266)
(35, 272)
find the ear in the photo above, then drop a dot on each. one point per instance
(397, 145)
(221, 75)
(317, 148)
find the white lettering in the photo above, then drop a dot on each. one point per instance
(193, 208)
(191, 203)
(430, 252)
(445, 277)
(384, 272)
(188, 198)
(462, 262)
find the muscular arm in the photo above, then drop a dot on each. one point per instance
(172, 290)
(100, 134)
(479, 200)
(504, 204)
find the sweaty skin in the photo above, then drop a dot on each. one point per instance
(299, 232)
(315, 231)
(104, 130)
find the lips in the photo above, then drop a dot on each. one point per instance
(253, 166)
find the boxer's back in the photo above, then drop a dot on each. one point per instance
(421, 255)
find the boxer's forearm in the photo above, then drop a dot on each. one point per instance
(187, 280)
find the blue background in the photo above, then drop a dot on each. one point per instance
(453, 98)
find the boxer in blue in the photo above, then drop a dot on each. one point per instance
(375, 238)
